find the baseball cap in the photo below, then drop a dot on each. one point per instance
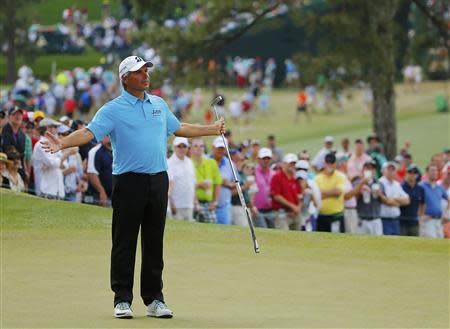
(180, 140)
(63, 129)
(328, 139)
(38, 114)
(330, 158)
(255, 142)
(14, 110)
(301, 174)
(265, 153)
(370, 163)
(47, 122)
(64, 118)
(132, 64)
(218, 142)
(290, 157)
(412, 167)
(3, 157)
(302, 164)
(389, 164)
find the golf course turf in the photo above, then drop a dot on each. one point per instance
(55, 274)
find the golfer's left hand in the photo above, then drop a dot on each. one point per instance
(220, 125)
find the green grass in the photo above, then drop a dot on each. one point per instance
(49, 12)
(55, 274)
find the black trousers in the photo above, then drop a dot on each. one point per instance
(324, 222)
(139, 201)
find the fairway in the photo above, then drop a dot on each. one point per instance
(55, 274)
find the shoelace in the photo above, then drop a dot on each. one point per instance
(160, 305)
(123, 306)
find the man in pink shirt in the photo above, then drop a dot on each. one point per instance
(357, 160)
(262, 200)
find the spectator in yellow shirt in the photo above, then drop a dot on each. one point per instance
(332, 186)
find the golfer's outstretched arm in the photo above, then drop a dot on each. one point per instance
(54, 143)
(193, 130)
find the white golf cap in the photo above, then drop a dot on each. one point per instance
(265, 153)
(301, 174)
(180, 140)
(302, 164)
(64, 118)
(218, 142)
(62, 129)
(132, 64)
(255, 142)
(389, 164)
(47, 122)
(328, 139)
(289, 158)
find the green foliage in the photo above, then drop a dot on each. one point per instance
(42, 65)
(49, 12)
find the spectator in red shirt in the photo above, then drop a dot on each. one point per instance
(285, 191)
(69, 106)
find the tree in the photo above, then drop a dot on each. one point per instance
(360, 36)
(13, 27)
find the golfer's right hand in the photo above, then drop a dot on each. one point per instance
(52, 144)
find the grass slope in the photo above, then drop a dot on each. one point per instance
(55, 274)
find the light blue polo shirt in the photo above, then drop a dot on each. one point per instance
(138, 130)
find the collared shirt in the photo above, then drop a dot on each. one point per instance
(410, 213)
(138, 130)
(48, 174)
(99, 163)
(319, 159)
(355, 165)
(227, 173)
(391, 190)
(287, 187)
(182, 176)
(207, 170)
(261, 198)
(332, 205)
(433, 197)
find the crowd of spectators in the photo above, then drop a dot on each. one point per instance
(351, 189)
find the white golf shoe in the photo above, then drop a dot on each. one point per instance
(123, 310)
(158, 309)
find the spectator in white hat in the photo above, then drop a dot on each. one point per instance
(319, 160)
(310, 203)
(181, 181)
(223, 210)
(262, 199)
(49, 180)
(392, 199)
(285, 190)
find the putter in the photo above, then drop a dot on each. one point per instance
(236, 182)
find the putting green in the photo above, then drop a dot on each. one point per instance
(55, 274)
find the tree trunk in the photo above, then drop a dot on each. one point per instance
(382, 74)
(10, 33)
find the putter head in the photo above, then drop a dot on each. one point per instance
(217, 100)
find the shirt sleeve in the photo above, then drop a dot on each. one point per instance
(217, 178)
(172, 122)
(91, 169)
(102, 124)
(275, 186)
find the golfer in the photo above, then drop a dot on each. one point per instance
(138, 125)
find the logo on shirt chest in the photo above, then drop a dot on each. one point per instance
(156, 113)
